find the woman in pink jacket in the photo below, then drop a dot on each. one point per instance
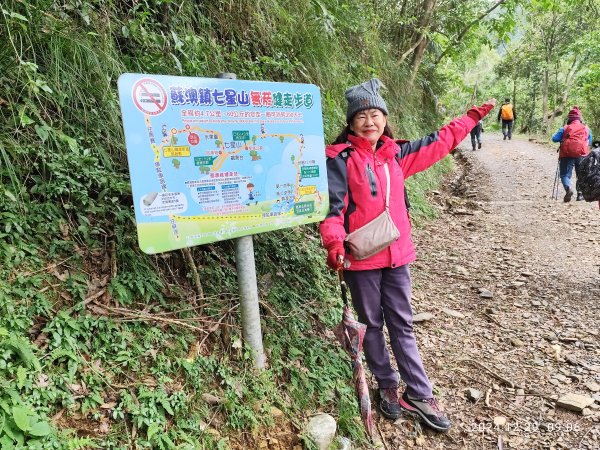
(358, 165)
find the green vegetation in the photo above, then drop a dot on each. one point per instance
(548, 65)
(102, 346)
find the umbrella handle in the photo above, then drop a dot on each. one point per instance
(343, 286)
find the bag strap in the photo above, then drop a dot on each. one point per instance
(387, 191)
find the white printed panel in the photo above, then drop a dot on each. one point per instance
(155, 204)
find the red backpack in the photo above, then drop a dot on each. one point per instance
(574, 142)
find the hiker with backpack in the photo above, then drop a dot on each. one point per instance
(575, 139)
(367, 236)
(508, 115)
(476, 135)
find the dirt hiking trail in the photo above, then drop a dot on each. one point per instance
(506, 295)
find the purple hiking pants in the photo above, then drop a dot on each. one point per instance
(384, 294)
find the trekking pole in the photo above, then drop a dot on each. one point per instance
(556, 177)
(555, 187)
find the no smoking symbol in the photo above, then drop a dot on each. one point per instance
(149, 96)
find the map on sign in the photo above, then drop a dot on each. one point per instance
(213, 159)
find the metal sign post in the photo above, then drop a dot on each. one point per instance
(246, 273)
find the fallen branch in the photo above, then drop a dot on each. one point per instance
(291, 314)
(93, 297)
(487, 396)
(270, 310)
(85, 301)
(500, 410)
(155, 318)
(113, 258)
(490, 371)
(585, 434)
(226, 296)
(528, 393)
(495, 321)
(449, 437)
(50, 267)
(381, 436)
(219, 323)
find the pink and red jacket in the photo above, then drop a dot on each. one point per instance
(357, 184)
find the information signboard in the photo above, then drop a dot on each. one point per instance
(213, 159)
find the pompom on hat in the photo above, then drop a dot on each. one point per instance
(364, 96)
(574, 114)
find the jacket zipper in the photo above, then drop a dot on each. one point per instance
(372, 181)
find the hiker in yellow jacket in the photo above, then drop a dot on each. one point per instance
(508, 115)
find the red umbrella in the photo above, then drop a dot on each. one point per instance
(351, 333)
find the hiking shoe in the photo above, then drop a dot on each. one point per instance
(579, 196)
(389, 404)
(474, 148)
(428, 409)
(568, 195)
(504, 138)
(479, 145)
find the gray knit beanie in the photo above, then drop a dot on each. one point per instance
(364, 96)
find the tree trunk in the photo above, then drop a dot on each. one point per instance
(402, 37)
(514, 95)
(570, 75)
(530, 125)
(545, 101)
(417, 59)
(408, 52)
(428, 7)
